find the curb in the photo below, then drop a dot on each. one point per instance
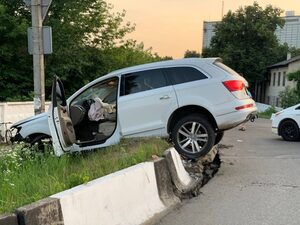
(141, 194)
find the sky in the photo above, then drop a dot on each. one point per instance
(171, 27)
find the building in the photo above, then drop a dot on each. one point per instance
(277, 80)
(289, 33)
(208, 32)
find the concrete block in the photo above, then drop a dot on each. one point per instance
(164, 183)
(44, 212)
(129, 196)
(8, 219)
(183, 182)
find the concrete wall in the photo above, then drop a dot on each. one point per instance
(16, 111)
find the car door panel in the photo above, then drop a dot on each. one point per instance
(147, 110)
(60, 123)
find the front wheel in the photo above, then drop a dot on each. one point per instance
(193, 136)
(41, 143)
(289, 131)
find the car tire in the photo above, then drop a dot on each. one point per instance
(185, 139)
(219, 137)
(41, 143)
(289, 130)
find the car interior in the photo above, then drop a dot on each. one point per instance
(95, 122)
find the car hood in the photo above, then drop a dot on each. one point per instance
(36, 117)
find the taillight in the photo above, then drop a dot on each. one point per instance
(244, 106)
(234, 85)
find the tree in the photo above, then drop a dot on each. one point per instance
(88, 42)
(15, 63)
(246, 41)
(191, 54)
(294, 51)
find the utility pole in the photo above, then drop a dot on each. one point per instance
(38, 56)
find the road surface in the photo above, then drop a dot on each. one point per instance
(258, 183)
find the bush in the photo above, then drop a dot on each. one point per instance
(289, 97)
(267, 113)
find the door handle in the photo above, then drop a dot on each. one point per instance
(164, 97)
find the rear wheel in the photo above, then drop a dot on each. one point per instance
(193, 136)
(289, 131)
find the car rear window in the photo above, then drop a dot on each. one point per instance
(178, 75)
(227, 69)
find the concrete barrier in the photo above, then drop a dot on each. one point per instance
(184, 183)
(44, 212)
(140, 194)
(129, 196)
(8, 219)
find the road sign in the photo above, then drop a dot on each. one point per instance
(45, 4)
(47, 40)
(27, 2)
(45, 7)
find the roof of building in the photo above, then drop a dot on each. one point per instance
(284, 63)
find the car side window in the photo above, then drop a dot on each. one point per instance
(179, 75)
(143, 81)
(298, 108)
(105, 90)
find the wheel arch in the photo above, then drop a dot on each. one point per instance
(31, 137)
(188, 110)
(284, 120)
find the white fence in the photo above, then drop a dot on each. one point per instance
(16, 111)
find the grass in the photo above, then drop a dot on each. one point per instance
(26, 176)
(267, 113)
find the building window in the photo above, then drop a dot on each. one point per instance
(268, 100)
(279, 78)
(274, 76)
(283, 78)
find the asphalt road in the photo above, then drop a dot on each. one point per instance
(258, 183)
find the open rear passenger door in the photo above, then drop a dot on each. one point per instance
(60, 123)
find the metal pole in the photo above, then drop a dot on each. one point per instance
(38, 57)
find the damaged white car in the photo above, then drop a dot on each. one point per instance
(192, 101)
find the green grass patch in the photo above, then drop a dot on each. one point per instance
(26, 176)
(267, 113)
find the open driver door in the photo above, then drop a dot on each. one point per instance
(60, 123)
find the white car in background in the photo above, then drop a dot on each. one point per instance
(192, 101)
(286, 123)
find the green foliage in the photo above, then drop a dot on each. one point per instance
(246, 41)
(191, 54)
(295, 76)
(15, 63)
(88, 42)
(294, 51)
(267, 113)
(289, 97)
(27, 176)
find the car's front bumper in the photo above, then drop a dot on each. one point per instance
(275, 130)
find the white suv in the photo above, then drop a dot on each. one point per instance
(192, 101)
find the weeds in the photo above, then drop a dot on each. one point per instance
(27, 176)
(267, 113)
